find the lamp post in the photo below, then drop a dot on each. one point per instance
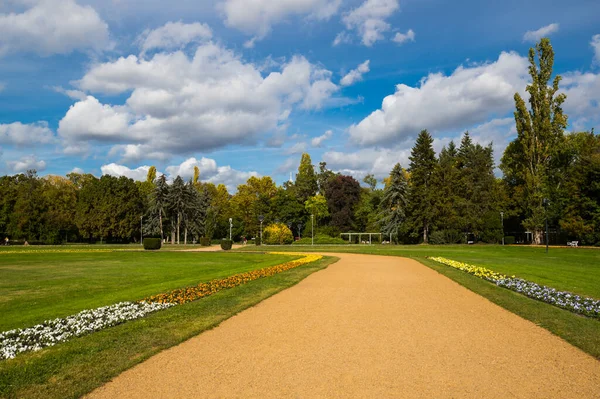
(502, 217)
(312, 225)
(545, 203)
(141, 231)
(260, 219)
(300, 230)
(230, 227)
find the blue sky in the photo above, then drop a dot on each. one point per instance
(242, 88)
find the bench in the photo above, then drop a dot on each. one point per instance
(572, 243)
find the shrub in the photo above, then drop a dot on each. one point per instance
(509, 240)
(257, 241)
(437, 238)
(226, 245)
(321, 240)
(152, 243)
(278, 234)
(205, 241)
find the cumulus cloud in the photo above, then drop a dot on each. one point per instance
(113, 169)
(210, 172)
(470, 95)
(595, 43)
(258, 16)
(297, 148)
(23, 135)
(318, 141)
(26, 163)
(355, 75)
(376, 161)
(53, 27)
(181, 104)
(583, 98)
(401, 38)
(544, 31)
(77, 170)
(369, 20)
(342, 38)
(173, 36)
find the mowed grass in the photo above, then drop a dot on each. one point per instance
(76, 367)
(37, 286)
(570, 269)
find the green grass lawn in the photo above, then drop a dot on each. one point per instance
(76, 367)
(37, 286)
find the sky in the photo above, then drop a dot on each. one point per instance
(242, 88)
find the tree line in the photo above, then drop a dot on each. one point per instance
(450, 197)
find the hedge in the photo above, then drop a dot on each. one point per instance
(152, 243)
(205, 241)
(226, 245)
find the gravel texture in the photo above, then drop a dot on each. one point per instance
(368, 327)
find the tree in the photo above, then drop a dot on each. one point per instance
(159, 204)
(219, 211)
(342, 193)
(178, 200)
(324, 177)
(422, 190)
(450, 197)
(540, 135)
(278, 234)
(317, 206)
(370, 181)
(253, 199)
(394, 201)
(306, 181)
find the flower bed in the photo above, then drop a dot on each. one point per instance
(189, 294)
(586, 306)
(51, 332)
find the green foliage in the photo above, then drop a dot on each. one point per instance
(257, 241)
(422, 190)
(394, 201)
(509, 240)
(317, 206)
(306, 180)
(277, 234)
(152, 243)
(528, 160)
(342, 193)
(321, 239)
(226, 245)
(205, 241)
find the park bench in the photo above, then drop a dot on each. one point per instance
(572, 243)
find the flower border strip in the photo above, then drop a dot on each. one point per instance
(563, 299)
(52, 332)
(189, 294)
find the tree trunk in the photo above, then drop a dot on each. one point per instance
(161, 226)
(185, 235)
(172, 234)
(178, 224)
(538, 237)
(425, 234)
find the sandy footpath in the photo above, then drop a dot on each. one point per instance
(371, 327)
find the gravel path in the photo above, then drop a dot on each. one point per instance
(370, 327)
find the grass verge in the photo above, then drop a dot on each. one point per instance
(580, 331)
(75, 368)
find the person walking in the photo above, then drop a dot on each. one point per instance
(5, 240)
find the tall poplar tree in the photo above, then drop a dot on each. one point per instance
(422, 190)
(527, 160)
(306, 180)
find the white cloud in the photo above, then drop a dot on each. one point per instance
(290, 165)
(256, 17)
(470, 95)
(138, 174)
(355, 75)
(583, 98)
(318, 141)
(369, 19)
(181, 104)
(77, 170)
(210, 172)
(297, 148)
(401, 38)
(53, 27)
(376, 161)
(595, 43)
(342, 38)
(174, 35)
(26, 163)
(544, 31)
(23, 135)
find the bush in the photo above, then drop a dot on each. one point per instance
(278, 234)
(509, 240)
(152, 243)
(226, 245)
(205, 241)
(321, 239)
(437, 238)
(257, 241)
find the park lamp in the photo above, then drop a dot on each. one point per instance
(230, 227)
(300, 230)
(261, 218)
